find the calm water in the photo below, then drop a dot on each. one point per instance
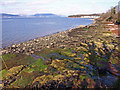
(17, 30)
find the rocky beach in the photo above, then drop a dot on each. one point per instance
(82, 57)
(59, 39)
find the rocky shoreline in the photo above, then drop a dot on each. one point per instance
(56, 40)
(82, 57)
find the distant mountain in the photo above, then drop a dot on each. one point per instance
(46, 15)
(4, 14)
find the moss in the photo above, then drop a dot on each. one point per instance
(29, 70)
(29, 59)
(82, 52)
(25, 80)
(39, 65)
(113, 61)
(3, 74)
(68, 53)
(46, 51)
(12, 60)
(83, 77)
(106, 32)
(86, 29)
(55, 75)
(8, 56)
(43, 79)
(102, 59)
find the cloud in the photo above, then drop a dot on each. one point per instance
(56, 6)
(42, 2)
(39, 2)
(9, 2)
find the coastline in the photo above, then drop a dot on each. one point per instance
(44, 42)
(39, 28)
(71, 54)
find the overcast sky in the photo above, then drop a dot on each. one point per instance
(60, 7)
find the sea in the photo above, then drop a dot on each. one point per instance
(18, 30)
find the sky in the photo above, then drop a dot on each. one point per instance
(59, 7)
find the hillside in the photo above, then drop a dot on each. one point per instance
(112, 15)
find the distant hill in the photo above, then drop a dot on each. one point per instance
(4, 14)
(81, 15)
(46, 15)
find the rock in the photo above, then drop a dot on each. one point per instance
(23, 48)
(13, 46)
(27, 54)
(82, 26)
(62, 46)
(48, 46)
(17, 51)
(77, 26)
(32, 52)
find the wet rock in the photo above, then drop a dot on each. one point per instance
(82, 26)
(13, 46)
(48, 46)
(62, 46)
(32, 52)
